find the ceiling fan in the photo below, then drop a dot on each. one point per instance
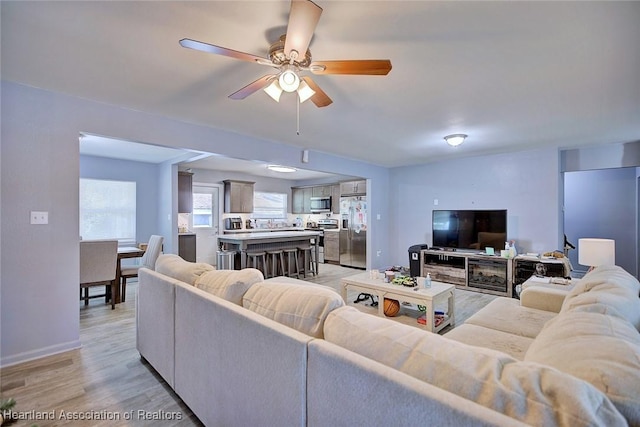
(291, 57)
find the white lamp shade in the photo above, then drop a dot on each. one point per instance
(274, 91)
(289, 81)
(595, 252)
(305, 92)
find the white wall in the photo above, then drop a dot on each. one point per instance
(524, 183)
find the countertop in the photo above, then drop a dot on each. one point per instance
(272, 235)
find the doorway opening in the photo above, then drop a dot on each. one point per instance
(207, 211)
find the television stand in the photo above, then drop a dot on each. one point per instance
(470, 271)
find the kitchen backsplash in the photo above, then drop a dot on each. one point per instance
(291, 220)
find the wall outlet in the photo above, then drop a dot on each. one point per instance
(378, 253)
(39, 217)
(435, 202)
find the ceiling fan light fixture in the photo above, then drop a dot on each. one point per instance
(305, 92)
(289, 80)
(274, 91)
(279, 168)
(455, 139)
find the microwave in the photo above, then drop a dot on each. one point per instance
(321, 204)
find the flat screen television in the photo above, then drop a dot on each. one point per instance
(473, 230)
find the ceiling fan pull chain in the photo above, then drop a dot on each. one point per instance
(298, 115)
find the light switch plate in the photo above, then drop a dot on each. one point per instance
(39, 217)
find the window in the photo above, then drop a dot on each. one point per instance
(108, 210)
(269, 205)
(202, 209)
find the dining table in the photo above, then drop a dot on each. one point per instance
(124, 252)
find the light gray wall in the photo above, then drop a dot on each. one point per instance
(524, 183)
(39, 305)
(602, 204)
(601, 157)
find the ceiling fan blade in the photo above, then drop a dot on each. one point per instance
(379, 67)
(261, 83)
(319, 98)
(303, 18)
(209, 48)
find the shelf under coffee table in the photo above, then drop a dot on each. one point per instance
(437, 294)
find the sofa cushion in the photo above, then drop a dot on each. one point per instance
(507, 315)
(603, 350)
(174, 266)
(613, 301)
(607, 287)
(303, 308)
(229, 284)
(534, 394)
(514, 345)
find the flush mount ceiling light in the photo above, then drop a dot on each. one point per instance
(455, 139)
(283, 169)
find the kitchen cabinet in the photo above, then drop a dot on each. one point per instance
(187, 247)
(185, 192)
(301, 199)
(332, 246)
(321, 191)
(238, 196)
(335, 198)
(353, 187)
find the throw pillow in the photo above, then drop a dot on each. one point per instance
(603, 350)
(174, 266)
(529, 392)
(302, 307)
(229, 284)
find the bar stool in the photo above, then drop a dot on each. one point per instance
(292, 261)
(274, 258)
(254, 259)
(308, 264)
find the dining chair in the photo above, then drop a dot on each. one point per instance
(98, 261)
(148, 261)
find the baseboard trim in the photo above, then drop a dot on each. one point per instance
(39, 353)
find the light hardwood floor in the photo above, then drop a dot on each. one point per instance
(107, 378)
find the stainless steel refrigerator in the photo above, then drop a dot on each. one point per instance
(353, 231)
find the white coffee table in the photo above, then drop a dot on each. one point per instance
(438, 293)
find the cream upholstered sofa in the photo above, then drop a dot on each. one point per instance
(240, 350)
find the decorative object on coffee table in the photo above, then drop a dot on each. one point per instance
(391, 307)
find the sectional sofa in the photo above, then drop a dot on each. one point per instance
(240, 350)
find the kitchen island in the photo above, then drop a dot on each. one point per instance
(243, 242)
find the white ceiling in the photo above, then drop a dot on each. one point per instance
(511, 75)
(96, 145)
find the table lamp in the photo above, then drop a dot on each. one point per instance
(595, 252)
